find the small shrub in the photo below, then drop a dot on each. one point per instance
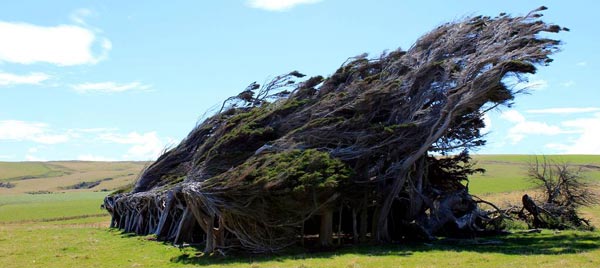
(7, 185)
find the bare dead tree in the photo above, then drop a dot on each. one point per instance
(564, 192)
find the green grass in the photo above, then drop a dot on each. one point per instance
(506, 173)
(55, 246)
(70, 230)
(59, 176)
(592, 213)
(26, 207)
(17, 170)
(523, 250)
(525, 159)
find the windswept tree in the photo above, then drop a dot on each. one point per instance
(350, 156)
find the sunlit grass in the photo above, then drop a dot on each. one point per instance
(506, 173)
(70, 230)
(60, 176)
(49, 245)
(27, 207)
(10, 170)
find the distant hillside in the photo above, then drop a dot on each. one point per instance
(66, 176)
(505, 173)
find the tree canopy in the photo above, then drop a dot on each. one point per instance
(378, 151)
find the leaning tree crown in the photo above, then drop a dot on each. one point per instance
(348, 155)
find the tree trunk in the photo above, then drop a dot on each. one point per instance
(535, 211)
(376, 228)
(339, 231)
(416, 194)
(219, 234)
(354, 227)
(326, 233)
(210, 236)
(185, 224)
(364, 222)
(161, 231)
(436, 132)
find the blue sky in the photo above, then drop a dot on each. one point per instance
(120, 80)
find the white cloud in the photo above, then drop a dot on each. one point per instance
(30, 131)
(91, 157)
(512, 116)
(8, 79)
(557, 146)
(78, 16)
(582, 63)
(588, 141)
(524, 127)
(63, 45)
(569, 83)
(566, 110)
(145, 146)
(6, 156)
(34, 158)
(109, 87)
(51, 138)
(95, 130)
(278, 5)
(132, 146)
(582, 133)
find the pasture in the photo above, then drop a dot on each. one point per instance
(67, 228)
(65, 176)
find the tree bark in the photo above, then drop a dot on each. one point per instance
(376, 228)
(161, 231)
(326, 232)
(364, 222)
(339, 231)
(436, 132)
(185, 224)
(354, 227)
(210, 236)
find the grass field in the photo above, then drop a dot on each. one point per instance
(69, 230)
(49, 207)
(10, 171)
(60, 176)
(507, 173)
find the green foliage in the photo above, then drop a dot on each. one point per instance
(519, 66)
(292, 104)
(393, 128)
(450, 171)
(324, 121)
(124, 189)
(302, 170)
(246, 131)
(514, 225)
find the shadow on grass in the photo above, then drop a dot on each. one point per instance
(514, 244)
